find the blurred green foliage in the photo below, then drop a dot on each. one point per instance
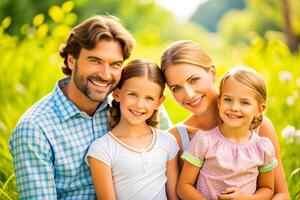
(30, 64)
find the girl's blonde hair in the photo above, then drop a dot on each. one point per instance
(138, 68)
(185, 51)
(253, 80)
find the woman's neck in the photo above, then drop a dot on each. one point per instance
(206, 120)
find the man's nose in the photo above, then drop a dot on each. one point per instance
(105, 71)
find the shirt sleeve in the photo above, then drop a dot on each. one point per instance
(99, 150)
(197, 150)
(270, 161)
(33, 162)
(173, 146)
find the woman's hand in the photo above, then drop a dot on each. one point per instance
(232, 193)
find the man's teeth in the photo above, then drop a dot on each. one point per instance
(100, 84)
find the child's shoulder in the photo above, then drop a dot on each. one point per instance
(101, 141)
(165, 135)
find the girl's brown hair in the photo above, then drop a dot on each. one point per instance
(185, 51)
(252, 79)
(138, 68)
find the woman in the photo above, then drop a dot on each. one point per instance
(191, 77)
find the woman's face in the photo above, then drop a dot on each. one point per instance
(192, 87)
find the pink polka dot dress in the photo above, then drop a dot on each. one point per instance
(225, 164)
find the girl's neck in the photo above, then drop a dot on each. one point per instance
(235, 135)
(124, 129)
(206, 120)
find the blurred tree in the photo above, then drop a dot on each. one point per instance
(23, 11)
(263, 18)
(209, 13)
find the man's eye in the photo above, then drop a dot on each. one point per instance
(94, 61)
(116, 65)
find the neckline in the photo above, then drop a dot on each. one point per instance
(251, 139)
(142, 150)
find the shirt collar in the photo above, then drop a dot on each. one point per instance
(65, 106)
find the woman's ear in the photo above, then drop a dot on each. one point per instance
(213, 72)
(160, 101)
(115, 94)
(71, 62)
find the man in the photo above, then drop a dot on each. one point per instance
(51, 139)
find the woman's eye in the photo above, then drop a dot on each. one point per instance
(194, 80)
(175, 89)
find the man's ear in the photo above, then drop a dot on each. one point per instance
(160, 101)
(71, 62)
(115, 94)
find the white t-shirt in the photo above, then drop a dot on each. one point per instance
(137, 173)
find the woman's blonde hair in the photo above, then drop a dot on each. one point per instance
(253, 80)
(185, 51)
(138, 68)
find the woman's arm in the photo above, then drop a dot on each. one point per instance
(280, 185)
(186, 184)
(174, 132)
(172, 178)
(102, 178)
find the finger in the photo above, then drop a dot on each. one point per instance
(230, 190)
(224, 197)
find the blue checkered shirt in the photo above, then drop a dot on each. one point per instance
(48, 146)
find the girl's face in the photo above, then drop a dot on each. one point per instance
(238, 104)
(192, 86)
(138, 98)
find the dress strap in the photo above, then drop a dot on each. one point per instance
(184, 135)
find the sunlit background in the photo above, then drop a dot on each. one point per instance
(264, 35)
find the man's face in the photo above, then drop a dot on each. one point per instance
(96, 72)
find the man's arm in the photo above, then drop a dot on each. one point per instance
(33, 164)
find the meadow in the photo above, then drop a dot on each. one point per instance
(30, 67)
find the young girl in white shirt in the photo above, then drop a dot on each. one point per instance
(135, 160)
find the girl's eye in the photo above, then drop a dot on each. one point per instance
(132, 94)
(150, 98)
(245, 103)
(227, 99)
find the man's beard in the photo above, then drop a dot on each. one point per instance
(82, 84)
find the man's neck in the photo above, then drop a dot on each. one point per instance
(81, 101)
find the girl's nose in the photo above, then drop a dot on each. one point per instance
(235, 105)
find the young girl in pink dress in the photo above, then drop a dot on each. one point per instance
(231, 161)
